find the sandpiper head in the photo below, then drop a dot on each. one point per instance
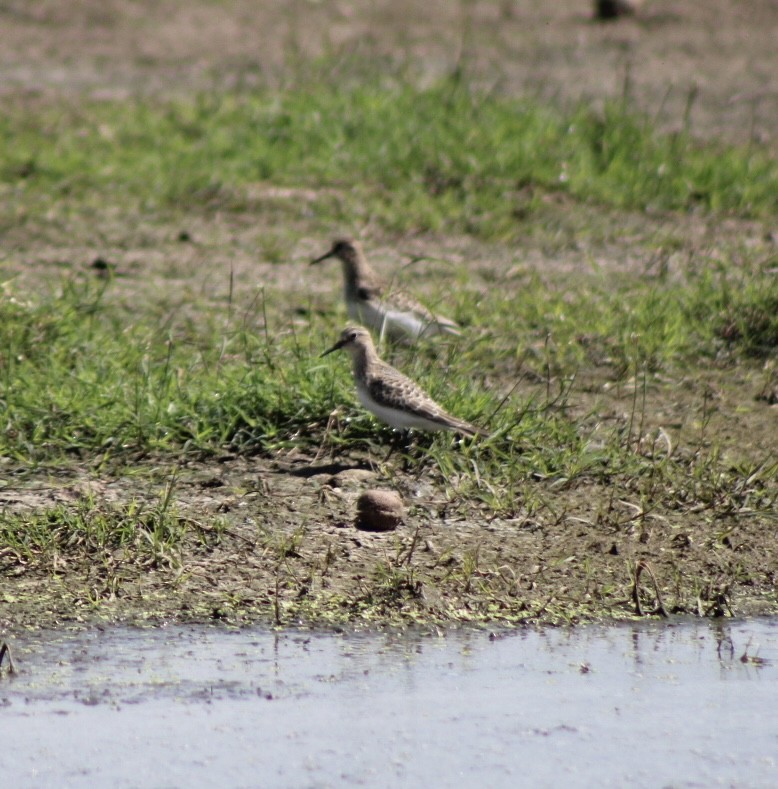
(352, 338)
(346, 249)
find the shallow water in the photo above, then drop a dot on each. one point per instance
(681, 705)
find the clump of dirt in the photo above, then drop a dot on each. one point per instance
(379, 510)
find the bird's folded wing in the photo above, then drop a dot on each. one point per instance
(402, 393)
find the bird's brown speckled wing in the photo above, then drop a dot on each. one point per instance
(394, 390)
(391, 389)
(403, 300)
(367, 286)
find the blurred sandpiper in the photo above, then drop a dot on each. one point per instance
(390, 313)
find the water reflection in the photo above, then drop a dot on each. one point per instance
(683, 704)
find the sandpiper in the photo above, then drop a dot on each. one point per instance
(369, 301)
(391, 396)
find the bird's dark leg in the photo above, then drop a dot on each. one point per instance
(409, 444)
(401, 439)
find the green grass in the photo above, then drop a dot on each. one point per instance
(89, 381)
(106, 535)
(441, 159)
(81, 378)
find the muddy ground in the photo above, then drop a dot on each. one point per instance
(286, 547)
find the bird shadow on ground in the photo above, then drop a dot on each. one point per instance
(329, 468)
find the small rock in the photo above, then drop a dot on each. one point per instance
(102, 267)
(613, 9)
(350, 476)
(681, 541)
(101, 264)
(379, 510)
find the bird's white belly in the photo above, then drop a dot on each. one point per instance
(394, 417)
(385, 320)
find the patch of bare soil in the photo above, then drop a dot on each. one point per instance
(710, 64)
(273, 538)
(276, 540)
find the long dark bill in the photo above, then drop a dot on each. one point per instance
(325, 256)
(338, 345)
